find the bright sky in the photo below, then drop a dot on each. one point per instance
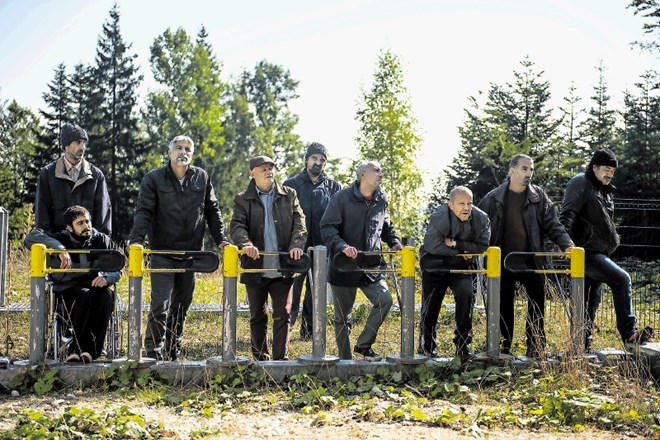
(450, 50)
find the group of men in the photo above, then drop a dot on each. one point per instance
(177, 202)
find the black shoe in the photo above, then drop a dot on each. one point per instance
(428, 353)
(639, 337)
(367, 354)
(463, 354)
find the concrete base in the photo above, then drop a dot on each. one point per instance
(143, 362)
(612, 356)
(415, 359)
(324, 361)
(218, 361)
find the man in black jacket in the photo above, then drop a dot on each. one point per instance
(71, 180)
(314, 188)
(586, 213)
(88, 300)
(455, 228)
(175, 204)
(357, 220)
(521, 214)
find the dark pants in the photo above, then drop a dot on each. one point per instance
(599, 268)
(593, 292)
(535, 328)
(434, 287)
(280, 294)
(171, 296)
(306, 316)
(87, 311)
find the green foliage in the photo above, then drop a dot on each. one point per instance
(128, 375)
(39, 379)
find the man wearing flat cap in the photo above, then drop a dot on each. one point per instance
(586, 213)
(268, 218)
(71, 180)
(314, 188)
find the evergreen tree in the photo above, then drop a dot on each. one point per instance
(388, 133)
(599, 129)
(59, 110)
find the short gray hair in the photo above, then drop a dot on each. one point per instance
(460, 190)
(362, 166)
(181, 137)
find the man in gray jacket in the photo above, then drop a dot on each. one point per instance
(455, 228)
(175, 204)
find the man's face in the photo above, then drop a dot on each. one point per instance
(181, 154)
(522, 174)
(604, 174)
(82, 227)
(315, 164)
(75, 151)
(461, 206)
(264, 176)
(373, 176)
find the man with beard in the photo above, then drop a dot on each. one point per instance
(71, 180)
(175, 204)
(314, 188)
(587, 212)
(88, 300)
(521, 214)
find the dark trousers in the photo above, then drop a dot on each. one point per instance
(87, 312)
(280, 294)
(434, 288)
(593, 292)
(306, 316)
(535, 326)
(171, 296)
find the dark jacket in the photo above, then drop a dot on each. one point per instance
(64, 240)
(587, 212)
(471, 236)
(247, 225)
(175, 217)
(350, 220)
(314, 198)
(539, 216)
(56, 191)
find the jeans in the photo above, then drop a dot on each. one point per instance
(171, 296)
(381, 299)
(535, 325)
(599, 268)
(434, 288)
(280, 294)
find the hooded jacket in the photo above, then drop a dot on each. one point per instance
(587, 211)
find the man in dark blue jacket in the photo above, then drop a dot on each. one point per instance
(71, 180)
(314, 188)
(175, 204)
(357, 220)
(88, 300)
(586, 213)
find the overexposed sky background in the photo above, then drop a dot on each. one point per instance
(450, 50)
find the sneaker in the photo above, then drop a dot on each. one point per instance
(73, 357)
(367, 354)
(640, 336)
(86, 357)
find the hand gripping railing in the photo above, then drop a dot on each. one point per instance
(230, 271)
(524, 262)
(193, 261)
(105, 260)
(444, 264)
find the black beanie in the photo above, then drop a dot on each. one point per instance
(604, 156)
(316, 148)
(71, 133)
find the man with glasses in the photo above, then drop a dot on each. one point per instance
(357, 220)
(71, 180)
(175, 204)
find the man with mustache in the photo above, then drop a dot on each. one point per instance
(268, 218)
(521, 214)
(71, 180)
(314, 188)
(175, 204)
(88, 300)
(455, 228)
(587, 211)
(357, 220)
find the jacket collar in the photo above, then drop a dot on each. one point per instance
(251, 192)
(305, 176)
(84, 176)
(597, 183)
(533, 195)
(377, 195)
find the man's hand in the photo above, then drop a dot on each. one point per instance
(251, 251)
(65, 260)
(396, 247)
(296, 253)
(99, 282)
(223, 244)
(350, 252)
(449, 242)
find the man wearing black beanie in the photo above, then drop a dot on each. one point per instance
(71, 180)
(586, 213)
